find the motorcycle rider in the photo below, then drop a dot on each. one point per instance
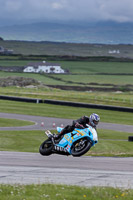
(80, 123)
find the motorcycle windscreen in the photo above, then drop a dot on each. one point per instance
(59, 129)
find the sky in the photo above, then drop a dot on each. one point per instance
(25, 11)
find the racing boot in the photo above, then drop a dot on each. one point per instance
(59, 135)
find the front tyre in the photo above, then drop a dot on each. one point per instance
(46, 147)
(80, 147)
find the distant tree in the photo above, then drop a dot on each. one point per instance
(1, 38)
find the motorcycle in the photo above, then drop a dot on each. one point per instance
(76, 143)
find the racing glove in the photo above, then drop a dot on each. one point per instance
(77, 125)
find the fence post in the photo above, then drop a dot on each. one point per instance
(37, 101)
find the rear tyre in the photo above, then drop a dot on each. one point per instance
(80, 147)
(46, 147)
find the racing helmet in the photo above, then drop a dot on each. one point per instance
(94, 119)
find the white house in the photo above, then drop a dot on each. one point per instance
(44, 67)
(114, 51)
(5, 51)
(29, 69)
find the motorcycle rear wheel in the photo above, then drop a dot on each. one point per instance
(80, 147)
(46, 147)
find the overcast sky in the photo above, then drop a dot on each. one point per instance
(24, 11)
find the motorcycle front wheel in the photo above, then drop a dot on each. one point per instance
(80, 147)
(46, 147)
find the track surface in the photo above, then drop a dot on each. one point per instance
(27, 168)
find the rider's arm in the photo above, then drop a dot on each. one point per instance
(80, 123)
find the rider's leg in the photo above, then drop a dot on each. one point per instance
(67, 129)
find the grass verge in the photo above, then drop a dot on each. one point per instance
(124, 99)
(67, 112)
(14, 122)
(62, 192)
(111, 143)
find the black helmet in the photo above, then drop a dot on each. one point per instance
(94, 119)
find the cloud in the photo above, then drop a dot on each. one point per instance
(117, 10)
(12, 6)
(57, 5)
(88, 10)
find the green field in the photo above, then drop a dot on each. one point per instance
(83, 67)
(62, 192)
(104, 75)
(79, 67)
(95, 79)
(44, 79)
(71, 49)
(13, 62)
(78, 80)
(82, 74)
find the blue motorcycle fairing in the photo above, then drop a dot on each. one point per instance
(67, 141)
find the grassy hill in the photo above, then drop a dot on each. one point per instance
(68, 49)
(98, 76)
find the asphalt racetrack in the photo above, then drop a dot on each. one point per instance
(48, 123)
(27, 168)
